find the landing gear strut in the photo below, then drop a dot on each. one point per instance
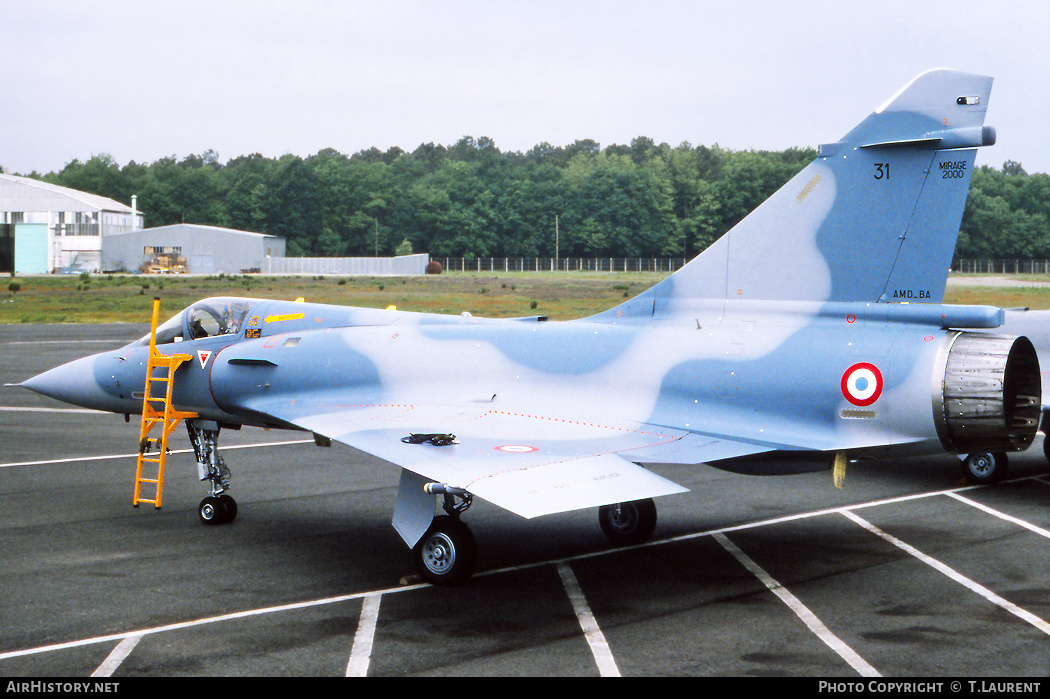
(447, 553)
(443, 547)
(217, 507)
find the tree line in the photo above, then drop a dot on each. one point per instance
(471, 200)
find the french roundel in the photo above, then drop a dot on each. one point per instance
(862, 384)
(516, 448)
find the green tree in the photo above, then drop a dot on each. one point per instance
(626, 208)
(330, 244)
(454, 212)
(292, 204)
(471, 199)
(1006, 214)
(244, 181)
(99, 175)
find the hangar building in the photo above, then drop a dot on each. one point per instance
(47, 228)
(206, 249)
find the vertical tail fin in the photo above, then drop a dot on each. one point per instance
(874, 218)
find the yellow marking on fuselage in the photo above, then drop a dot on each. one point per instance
(286, 316)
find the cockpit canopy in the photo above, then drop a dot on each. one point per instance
(208, 318)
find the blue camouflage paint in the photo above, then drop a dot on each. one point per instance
(760, 352)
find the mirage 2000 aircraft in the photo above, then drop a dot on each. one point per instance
(810, 334)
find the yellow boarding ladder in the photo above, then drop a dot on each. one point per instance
(160, 368)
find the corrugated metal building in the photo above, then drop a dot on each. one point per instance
(46, 228)
(206, 249)
(402, 266)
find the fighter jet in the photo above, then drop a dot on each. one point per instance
(794, 343)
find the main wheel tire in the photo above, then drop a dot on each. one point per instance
(231, 508)
(447, 553)
(627, 523)
(211, 511)
(985, 468)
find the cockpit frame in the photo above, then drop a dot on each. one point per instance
(212, 317)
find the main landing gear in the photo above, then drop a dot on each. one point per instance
(217, 507)
(447, 553)
(985, 468)
(628, 523)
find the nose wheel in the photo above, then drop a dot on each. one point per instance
(220, 509)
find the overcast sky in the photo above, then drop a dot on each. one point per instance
(141, 80)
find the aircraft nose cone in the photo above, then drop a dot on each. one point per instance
(74, 383)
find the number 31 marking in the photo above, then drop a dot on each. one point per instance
(882, 170)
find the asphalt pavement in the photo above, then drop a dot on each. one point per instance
(905, 572)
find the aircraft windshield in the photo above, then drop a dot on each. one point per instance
(170, 331)
(217, 317)
(208, 318)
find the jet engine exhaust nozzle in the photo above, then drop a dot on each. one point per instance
(990, 396)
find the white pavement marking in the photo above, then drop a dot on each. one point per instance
(595, 638)
(957, 577)
(80, 411)
(203, 622)
(407, 588)
(114, 659)
(801, 611)
(361, 653)
(118, 343)
(75, 459)
(1001, 515)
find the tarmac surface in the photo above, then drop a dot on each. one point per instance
(905, 572)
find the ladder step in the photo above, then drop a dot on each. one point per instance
(158, 409)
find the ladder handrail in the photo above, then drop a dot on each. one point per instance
(169, 416)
